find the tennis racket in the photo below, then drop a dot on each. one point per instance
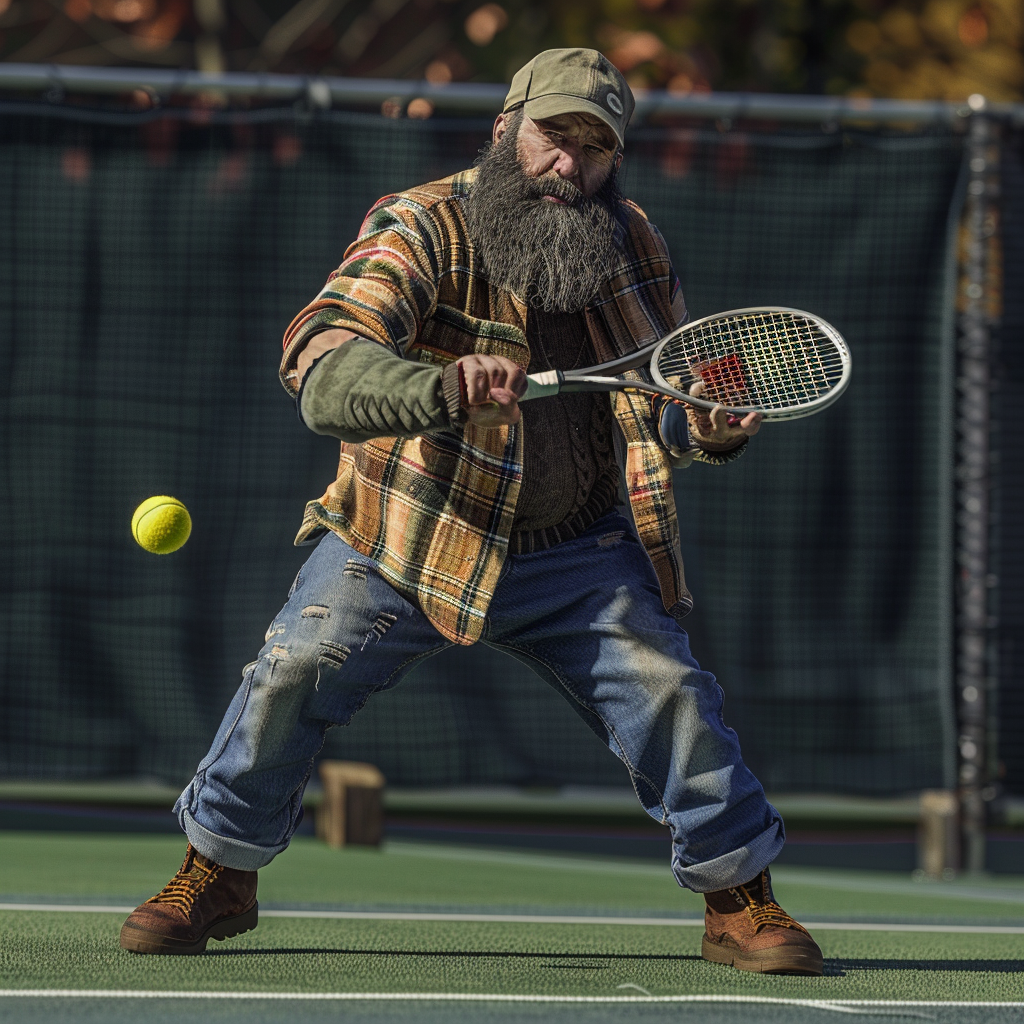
(780, 362)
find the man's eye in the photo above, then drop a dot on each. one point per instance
(594, 150)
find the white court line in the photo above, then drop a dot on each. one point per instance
(853, 926)
(691, 922)
(821, 878)
(842, 1005)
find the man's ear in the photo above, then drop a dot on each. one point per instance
(618, 161)
(500, 127)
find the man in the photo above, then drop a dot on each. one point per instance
(458, 517)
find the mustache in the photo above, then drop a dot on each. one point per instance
(558, 187)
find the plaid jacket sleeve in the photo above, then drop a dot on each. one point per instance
(384, 290)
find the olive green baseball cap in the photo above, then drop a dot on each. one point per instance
(573, 82)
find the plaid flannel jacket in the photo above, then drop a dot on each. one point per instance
(435, 511)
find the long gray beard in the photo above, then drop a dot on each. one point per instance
(556, 257)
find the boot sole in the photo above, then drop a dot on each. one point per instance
(136, 940)
(777, 960)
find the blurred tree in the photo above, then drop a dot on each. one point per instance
(937, 49)
(940, 49)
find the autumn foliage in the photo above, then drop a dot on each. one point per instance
(910, 49)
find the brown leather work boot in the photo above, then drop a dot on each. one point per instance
(202, 901)
(745, 928)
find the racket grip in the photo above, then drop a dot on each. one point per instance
(542, 385)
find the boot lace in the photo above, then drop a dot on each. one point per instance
(181, 891)
(762, 909)
(762, 915)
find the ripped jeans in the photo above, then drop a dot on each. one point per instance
(585, 615)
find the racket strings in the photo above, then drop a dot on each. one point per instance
(769, 359)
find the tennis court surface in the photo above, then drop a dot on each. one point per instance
(425, 932)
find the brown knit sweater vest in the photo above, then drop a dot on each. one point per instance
(570, 477)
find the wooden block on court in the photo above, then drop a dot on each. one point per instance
(938, 833)
(352, 811)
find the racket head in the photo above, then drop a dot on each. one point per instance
(781, 362)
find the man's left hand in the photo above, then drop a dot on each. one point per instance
(718, 430)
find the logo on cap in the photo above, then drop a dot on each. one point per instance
(614, 103)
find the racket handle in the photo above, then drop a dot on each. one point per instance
(542, 385)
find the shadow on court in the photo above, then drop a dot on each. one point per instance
(454, 954)
(833, 967)
(981, 966)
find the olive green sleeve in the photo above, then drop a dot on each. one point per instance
(361, 390)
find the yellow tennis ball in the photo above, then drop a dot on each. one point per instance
(161, 524)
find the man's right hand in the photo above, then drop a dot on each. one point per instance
(491, 389)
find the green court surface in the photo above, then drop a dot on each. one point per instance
(423, 932)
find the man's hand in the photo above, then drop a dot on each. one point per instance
(717, 430)
(492, 386)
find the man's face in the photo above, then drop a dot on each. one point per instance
(578, 148)
(543, 207)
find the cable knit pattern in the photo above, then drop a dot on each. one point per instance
(570, 477)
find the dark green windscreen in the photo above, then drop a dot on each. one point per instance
(1007, 705)
(148, 269)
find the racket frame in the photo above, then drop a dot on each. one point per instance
(552, 382)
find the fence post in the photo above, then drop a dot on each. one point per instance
(974, 649)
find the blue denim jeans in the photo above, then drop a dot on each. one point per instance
(585, 615)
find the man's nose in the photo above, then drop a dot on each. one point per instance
(567, 164)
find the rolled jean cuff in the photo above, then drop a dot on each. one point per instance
(733, 868)
(232, 853)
